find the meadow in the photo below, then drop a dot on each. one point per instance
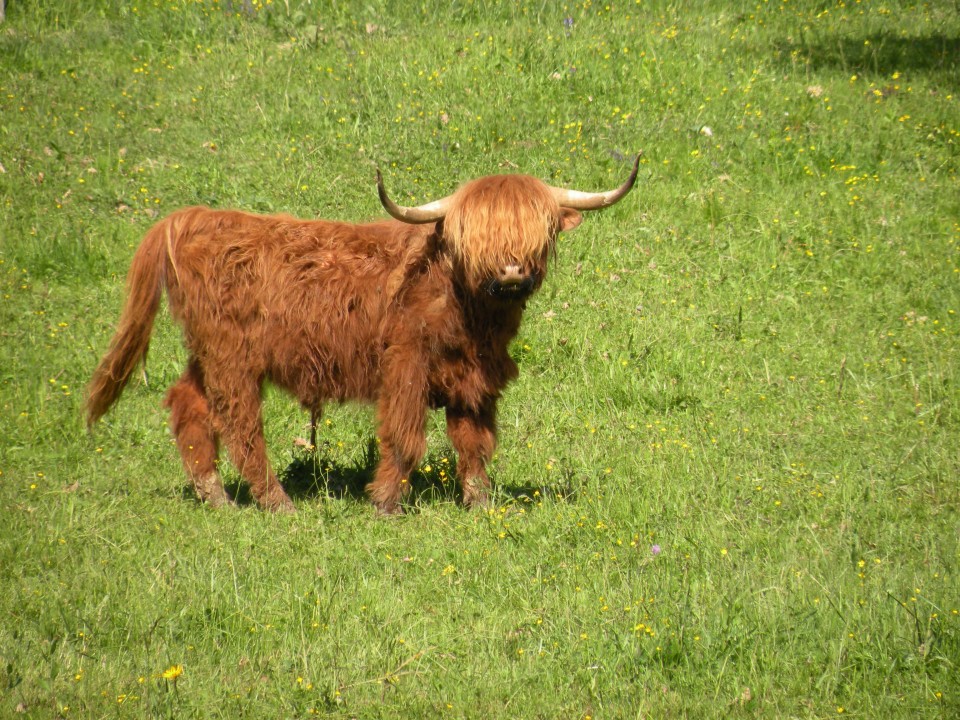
(727, 478)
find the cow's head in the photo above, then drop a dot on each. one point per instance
(500, 230)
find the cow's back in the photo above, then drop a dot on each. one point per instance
(300, 302)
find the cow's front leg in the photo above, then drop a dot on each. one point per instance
(474, 437)
(402, 415)
(391, 483)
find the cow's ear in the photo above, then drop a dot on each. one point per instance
(569, 219)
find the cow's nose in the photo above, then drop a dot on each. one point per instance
(512, 275)
(512, 283)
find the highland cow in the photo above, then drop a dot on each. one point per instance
(411, 313)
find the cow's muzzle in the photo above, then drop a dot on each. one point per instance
(513, 284)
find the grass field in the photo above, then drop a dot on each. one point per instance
(727, 480)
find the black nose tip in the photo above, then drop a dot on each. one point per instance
(512, 286)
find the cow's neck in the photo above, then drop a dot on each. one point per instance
(493, 320)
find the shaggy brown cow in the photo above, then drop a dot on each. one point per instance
(409, 315)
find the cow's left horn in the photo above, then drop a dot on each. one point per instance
(578, 200)
(431, 212)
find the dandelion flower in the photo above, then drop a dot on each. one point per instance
(172, 672)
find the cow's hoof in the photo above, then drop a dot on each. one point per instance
(388, 509)
(477, 501)
(279, 503)
(220, 502)
(209, 490)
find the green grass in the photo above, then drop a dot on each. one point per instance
(751, 362)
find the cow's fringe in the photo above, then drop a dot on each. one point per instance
(501, 220)
(132, 338)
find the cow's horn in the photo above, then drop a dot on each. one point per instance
(595, 201)
(431, 212)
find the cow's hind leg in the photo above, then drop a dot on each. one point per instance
(473, 435)
(236, 399)
(193, 429)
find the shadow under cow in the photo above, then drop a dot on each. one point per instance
(314, 474)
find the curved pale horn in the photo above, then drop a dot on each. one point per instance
(595, 201)
(431, 212)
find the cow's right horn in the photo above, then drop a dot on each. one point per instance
(578, 200)
(431, 212)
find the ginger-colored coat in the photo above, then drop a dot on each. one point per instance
(406, 316)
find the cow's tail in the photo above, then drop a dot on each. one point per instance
(145, 282)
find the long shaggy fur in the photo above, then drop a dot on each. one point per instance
(394, 314)
(501, 220)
